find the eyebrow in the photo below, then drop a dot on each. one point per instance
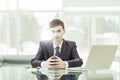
(56, 30)
(59, 30)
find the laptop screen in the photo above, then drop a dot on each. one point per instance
(100, 57)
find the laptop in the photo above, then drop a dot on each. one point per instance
(100, 57)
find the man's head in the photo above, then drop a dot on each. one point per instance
(57, 28)
(56, 22)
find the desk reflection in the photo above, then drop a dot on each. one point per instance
(57, 74)
(75, 74)
(99, 76)
(64, 77)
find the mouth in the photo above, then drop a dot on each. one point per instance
(56, 37)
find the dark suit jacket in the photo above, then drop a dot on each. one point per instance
(68, 53)
(64, 77)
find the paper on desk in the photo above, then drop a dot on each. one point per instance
(32, 69)
(76, 69)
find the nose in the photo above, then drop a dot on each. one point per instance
(56, 34)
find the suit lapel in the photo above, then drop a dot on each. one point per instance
(64, 48)
(50, 48)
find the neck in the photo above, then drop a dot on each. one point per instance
(57, 42)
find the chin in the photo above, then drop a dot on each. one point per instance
(57, 40)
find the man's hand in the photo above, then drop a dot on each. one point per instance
(49, 63)
(54, 62)
(59, 63)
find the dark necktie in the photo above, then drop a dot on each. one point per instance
(57, 53)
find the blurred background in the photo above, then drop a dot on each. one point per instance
(24, 23)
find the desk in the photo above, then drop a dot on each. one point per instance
(22, 73)
(16, 73)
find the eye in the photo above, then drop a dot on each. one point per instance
(53, 31)
(58, 31)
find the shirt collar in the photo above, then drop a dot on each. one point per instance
(60, 45)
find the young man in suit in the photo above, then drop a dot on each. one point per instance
(58, 52)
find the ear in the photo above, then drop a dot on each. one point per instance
(64, 30)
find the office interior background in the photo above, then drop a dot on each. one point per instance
(24, 23)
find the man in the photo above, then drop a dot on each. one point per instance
(57, 53)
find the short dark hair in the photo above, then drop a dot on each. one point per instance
(56, 22)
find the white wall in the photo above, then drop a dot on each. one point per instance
(91, 2)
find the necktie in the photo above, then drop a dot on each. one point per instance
(57, 53)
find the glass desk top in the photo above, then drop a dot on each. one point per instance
(23, 73)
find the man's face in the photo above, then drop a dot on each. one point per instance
(57, 33)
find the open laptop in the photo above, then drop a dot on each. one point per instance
(100, 57)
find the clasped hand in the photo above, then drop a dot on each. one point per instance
(54, 62)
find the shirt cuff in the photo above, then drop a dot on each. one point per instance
(42, 64)
(67, 65)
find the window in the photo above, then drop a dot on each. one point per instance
(24, 23)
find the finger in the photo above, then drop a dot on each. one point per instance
(56, 57)
(50, 59)
(58, 60)
(52, 66)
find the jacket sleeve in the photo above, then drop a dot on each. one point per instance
(75, 61)
(36, 61)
